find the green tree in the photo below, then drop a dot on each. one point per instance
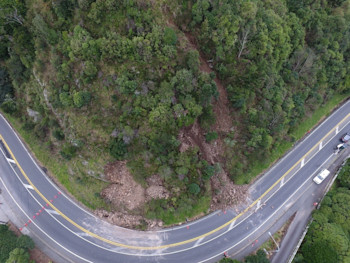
(170, 37)
(5, 85)
(18, 255)
(319, 252)
(259, 257)
(194, 189)
(192, 60)
(81, 98)
(25, 242)
(117, 149)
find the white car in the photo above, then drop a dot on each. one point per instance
(321, 176)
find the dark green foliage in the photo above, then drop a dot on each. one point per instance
(6, 88)
(7, 242)
(170, 37)
(192, 60)
(117, 149)
(63, 8)
(13, 249)
(9, 106)
(344, 176)
(259, 257)
(81, 98)
(211, 136)
(68, 151)
(18, 255)
(207, 170)
(58, 134)
(319, 252)
(25, 242)
(194, 188)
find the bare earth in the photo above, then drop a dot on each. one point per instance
(126, 196)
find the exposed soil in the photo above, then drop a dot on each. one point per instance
(123, 191)
(126, 195)
(225, 193)
(35, 254)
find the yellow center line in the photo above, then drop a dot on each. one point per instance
(173, 244)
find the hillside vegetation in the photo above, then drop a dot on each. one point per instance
(93, 82)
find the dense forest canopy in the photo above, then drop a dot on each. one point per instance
(112, 80)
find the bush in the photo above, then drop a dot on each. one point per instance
(9, 106)
(18, 255)
(208, 171)
(58, 134)
(26, 242)
(170, 37)
(210, 136)
(68, 151)
(194, 188)
(81, 98)
(117, 149)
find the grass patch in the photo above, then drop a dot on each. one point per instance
(270, 245)
(258, 166)
(83, 187)
(186, 208)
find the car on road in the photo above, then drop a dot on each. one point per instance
(346, 137)
(321, 176)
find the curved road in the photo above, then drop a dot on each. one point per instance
(73, 234)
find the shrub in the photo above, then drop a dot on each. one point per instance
(117, 149)
(58, 134)
(170, 37)
(81, 98)
(210, 136)
(68, 151)
(194, 188)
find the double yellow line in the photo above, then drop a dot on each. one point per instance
(173, 244)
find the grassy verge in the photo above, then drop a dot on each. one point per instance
(86, 189)
(270, 245)
(258, 167)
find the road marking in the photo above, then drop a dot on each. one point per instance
(172, 244)
(10, 160)
(337, 130)
(83, 234)
(52, 212)
(231, 225)
(282, 182)
(198, 242)
(28, 186)
(302, 162)
(320, 146)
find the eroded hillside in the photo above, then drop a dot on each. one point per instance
(156, 110)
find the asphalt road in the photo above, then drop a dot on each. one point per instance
(72, 234)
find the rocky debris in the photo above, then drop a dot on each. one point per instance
(156, 190)
(34, 114)
(128, 220)
(124, 191)
(225, 193)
